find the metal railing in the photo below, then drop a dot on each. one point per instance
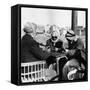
(36, 71)
(33, 71)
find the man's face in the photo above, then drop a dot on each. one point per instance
(55, 36)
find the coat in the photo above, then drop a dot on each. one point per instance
(77, 60)
(30, 50)
(78, 44)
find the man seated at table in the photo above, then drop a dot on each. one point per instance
(30, 50)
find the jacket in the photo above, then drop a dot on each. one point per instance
(30, 50)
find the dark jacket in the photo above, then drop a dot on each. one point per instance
(58, 44)
(78, 44)
(79, 54)
(50, 45)
(30, 50)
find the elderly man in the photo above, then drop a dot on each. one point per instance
(54, 43)
(30, 50)
(75, 45)
(76, 57)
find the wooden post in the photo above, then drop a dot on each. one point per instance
(74, 20)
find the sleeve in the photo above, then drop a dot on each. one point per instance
(80, 44)
(47, 42)
(37, 51)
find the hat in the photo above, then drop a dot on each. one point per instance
(70, 33)
(29, 27)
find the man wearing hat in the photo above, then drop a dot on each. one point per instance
(76, 57)
(30, 50)
(74, 43)
(54, 43)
